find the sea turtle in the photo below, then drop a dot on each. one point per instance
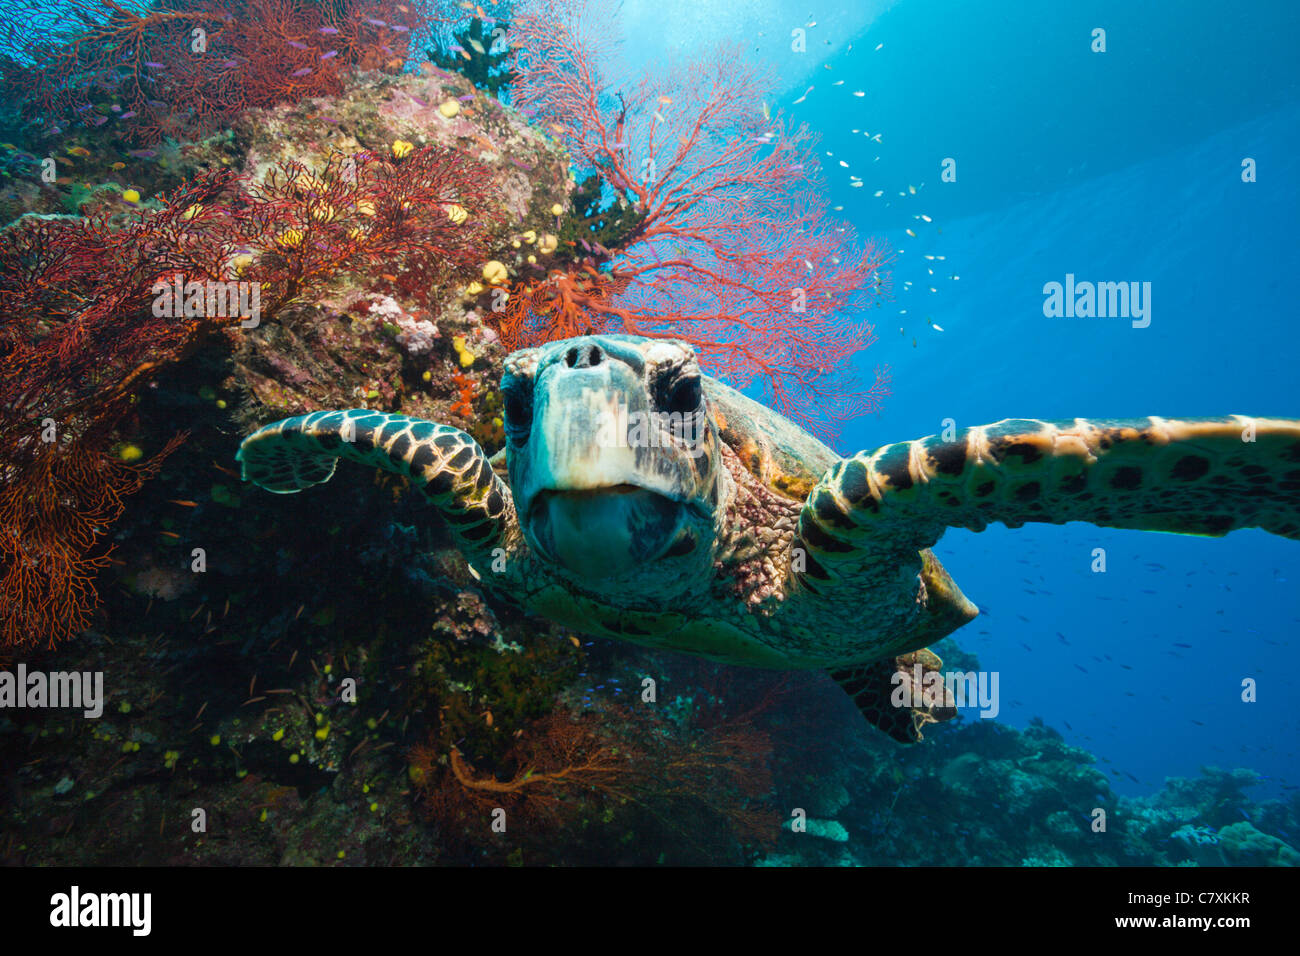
(637, 498)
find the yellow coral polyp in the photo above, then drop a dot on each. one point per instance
(495, 272)
(322, 211)
(530, 237)
(462, 350)
(365, 207)
(449, 108)
(474, 288)
(402, 149)
(456, 213)
(547, 244)
(557, 210)
(290, 238)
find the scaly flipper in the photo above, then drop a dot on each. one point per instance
(889, 696)
(447, 465)
(864, 532)
(1195, 476)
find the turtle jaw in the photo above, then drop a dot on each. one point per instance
(601, 533)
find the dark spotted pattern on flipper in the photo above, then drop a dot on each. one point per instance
(875, 686)
(444, 463)
(1196, 476)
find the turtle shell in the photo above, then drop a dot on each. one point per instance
(777, 452)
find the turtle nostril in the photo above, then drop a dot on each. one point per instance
(588, 357)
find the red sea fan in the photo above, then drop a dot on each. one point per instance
(79, 334)
(732, 248)
(186, 66)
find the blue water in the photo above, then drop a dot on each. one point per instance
(1122, 165)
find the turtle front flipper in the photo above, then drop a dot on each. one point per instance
(444, 463)
(1191, 476)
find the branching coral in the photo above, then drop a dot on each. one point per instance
(82, 331)
(707, 785)
(722, 238)
(57, 503)
(364, 212)
(190, 64)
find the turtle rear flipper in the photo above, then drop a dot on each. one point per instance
(889, 695)
(1192, 476)
(444, 463)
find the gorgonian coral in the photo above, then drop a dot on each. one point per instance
(82, 331)
(722, 236)
(178, 66)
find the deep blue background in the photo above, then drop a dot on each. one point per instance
(1117, 166)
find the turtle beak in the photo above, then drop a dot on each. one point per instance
(605, 532)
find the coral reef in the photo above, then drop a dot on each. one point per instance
(321, 675)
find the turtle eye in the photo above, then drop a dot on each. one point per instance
(519, 414)
(679, 400)
(683, 395)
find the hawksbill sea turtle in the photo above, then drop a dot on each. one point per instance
(637, 498)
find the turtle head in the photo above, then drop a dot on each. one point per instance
(613, 459)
